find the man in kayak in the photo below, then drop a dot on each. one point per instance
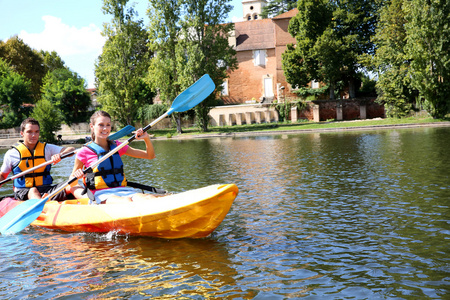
(107, 181)
(28, 154)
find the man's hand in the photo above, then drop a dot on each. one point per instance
(56, 158)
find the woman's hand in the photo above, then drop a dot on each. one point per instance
(140, 134)
(78, 173)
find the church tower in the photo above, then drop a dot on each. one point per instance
(252, 9)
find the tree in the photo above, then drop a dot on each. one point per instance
(299, 62)
(67, 91)
(49, 120)
(123, 63)
(333, 38)
(189, 47)
(52, 60)
(428, 46)
(25, 61)
(164, 29)
(207, 49)
(393, 64)
(277, 7)
(15, 90)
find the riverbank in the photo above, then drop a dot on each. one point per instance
(272, 128)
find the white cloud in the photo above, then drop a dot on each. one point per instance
(65, 39)
(78, 47)
(235, 19)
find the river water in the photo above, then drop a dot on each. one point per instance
(343, 215)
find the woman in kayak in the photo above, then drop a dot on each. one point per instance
(107, 181)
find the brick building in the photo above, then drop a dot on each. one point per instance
(259, 44)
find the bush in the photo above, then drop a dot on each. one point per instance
(49, 119)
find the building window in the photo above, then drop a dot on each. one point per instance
(255, 17)
(260, 57)
(225, 88)
(249, 18)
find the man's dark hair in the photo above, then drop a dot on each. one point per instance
(31, 121)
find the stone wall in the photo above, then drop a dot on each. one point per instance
(320, 110)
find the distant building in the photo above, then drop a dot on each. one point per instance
(93, 94)
(259, 44)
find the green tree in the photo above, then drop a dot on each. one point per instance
(393, 64)
(15, 90)
(299, 62)
(428, 47)
(277, 7)
(25, 61)
(123, 63)
(333, 39)
(49, 120)
(189, 47)
(67, 91)
(164, 30)
(207, 49)
(52, 60)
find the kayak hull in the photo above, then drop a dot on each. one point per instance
(191, 214)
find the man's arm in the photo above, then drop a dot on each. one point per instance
(56, 158)
(65, 150)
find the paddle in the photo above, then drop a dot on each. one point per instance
(119, 134)
(24, 214)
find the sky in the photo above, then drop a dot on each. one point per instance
(69, 27)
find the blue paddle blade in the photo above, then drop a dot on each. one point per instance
(21, 216)
(122, 132)
(193, 95)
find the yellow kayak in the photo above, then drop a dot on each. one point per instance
(191, 214)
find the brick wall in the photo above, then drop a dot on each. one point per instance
(247, 81)
(350, 109)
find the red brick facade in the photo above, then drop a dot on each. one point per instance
(253, 81)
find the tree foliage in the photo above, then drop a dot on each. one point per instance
(208, 50)
(164, 31)
(413, 56)
(25, 61)
(394, 83)
(67, 91)
(333, 38)
(49, 120)
(189, 45)
(52, 60)
(15, 90)
(123, 64)
(428, 47)
(277, 7)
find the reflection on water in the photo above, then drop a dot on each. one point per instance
(319, 215)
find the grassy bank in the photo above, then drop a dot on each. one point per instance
(281, 126)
